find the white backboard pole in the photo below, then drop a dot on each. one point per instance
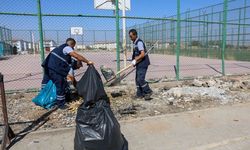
(124, 34)
(123, 5)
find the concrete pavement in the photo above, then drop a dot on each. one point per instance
(222, 128)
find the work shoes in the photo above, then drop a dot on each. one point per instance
(147, 97)
(61, 105)
(137, 97)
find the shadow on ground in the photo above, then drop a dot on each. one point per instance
(36, 124)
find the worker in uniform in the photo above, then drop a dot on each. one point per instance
(57, 66)
(141, 61)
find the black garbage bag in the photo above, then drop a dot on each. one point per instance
(98, 129)
(90, 87)
(108, 73)
(96, 126)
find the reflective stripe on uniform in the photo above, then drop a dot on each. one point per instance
(144, 85)
(60, 97)
(60, 58)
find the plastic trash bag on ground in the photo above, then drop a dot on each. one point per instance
(47, 96)
(108, 73)
(96, 126)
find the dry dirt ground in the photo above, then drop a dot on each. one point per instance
(168, 97)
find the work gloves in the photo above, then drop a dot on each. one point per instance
(133, 62)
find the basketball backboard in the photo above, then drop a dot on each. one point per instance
(110, 4)
(76, 31)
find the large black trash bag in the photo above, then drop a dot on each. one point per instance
(90, 87)
(96, 125)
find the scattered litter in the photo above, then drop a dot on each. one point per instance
(116, 93)
(130, 110)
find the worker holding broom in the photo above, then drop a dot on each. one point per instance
(57, 66)
(141, 61)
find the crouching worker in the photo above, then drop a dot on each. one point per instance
(57, 66)
(71, 75)
(141, 62)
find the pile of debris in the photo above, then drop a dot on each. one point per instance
(212, 92)
(226, 83)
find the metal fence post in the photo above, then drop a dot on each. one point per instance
(232, 37)
(244, 27)
(117, 36)
(163, 36)
(57, 38)
(94, 36)
(82, 41)
(219, 38)
(105, 36)
(203, 43)
(224, 36)
(186, 31)
(1, 34)
(211, 32)
(238, 38)
(207, 35)
(31, 41)
(8, 133)
(172, 36)
(190, 35)
(178, 40)
(199, 32)
(40, 30)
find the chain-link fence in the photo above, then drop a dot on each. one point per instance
(211, 40)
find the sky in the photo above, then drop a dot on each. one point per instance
(141, 8)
